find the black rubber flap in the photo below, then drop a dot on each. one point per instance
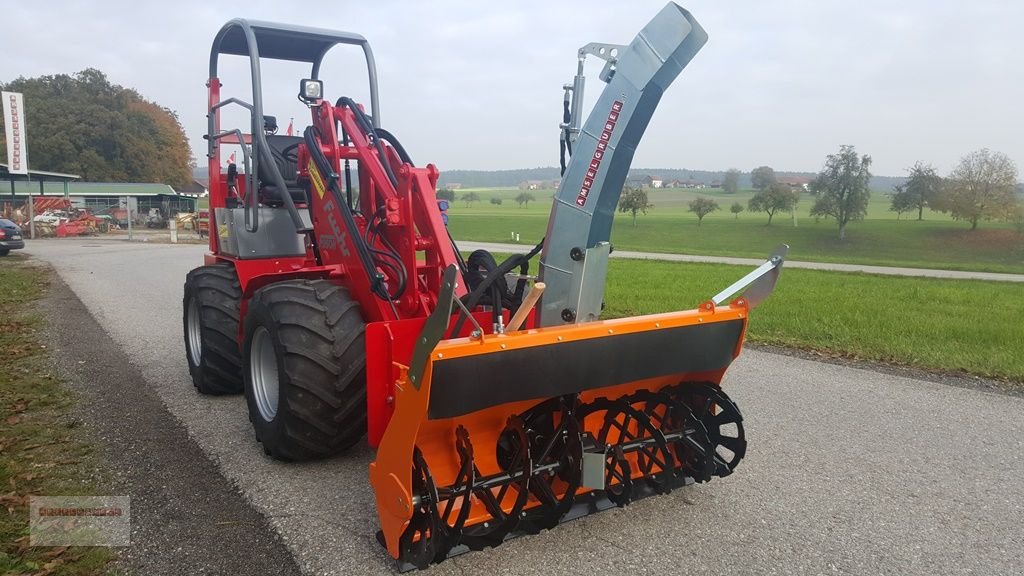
(470, 383)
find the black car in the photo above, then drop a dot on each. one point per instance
(10, 237)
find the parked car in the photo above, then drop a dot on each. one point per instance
(10, 237)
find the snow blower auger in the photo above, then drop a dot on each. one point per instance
(341, 306)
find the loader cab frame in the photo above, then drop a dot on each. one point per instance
(257, 211)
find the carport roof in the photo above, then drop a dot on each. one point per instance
(22, 188)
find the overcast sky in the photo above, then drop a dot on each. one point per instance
(477, 85)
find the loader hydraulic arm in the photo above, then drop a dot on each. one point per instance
(389, 236)
(574, 259)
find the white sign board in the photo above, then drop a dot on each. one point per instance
(14, 126)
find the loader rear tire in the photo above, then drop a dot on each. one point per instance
(305, 369)
(211, 314)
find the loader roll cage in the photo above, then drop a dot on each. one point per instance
(257, 39)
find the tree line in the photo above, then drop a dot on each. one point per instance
(983, 186)
(83, 124)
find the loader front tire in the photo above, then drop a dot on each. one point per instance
(211, 314)
(305, 369)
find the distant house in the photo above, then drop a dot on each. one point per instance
(454, 186)
(716, 184)
(532, 185)
(802, 182)
(198, 187)
(654, 181)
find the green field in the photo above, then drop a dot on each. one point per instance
(967, 326)
(936, 242)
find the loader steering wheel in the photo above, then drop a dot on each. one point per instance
(290, 152)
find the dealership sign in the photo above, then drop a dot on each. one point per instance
(14, 126)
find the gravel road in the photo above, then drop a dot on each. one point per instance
(849, 471)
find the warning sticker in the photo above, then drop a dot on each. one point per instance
(317, 180)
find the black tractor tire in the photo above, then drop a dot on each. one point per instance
(212, 301)
(308, 336)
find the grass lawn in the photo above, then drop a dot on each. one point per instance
(39, 454)
(926, 323)
(881, 239)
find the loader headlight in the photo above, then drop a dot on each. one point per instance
(311, 90)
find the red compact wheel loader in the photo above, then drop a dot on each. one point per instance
(336, 299)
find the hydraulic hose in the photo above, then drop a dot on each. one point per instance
(323, 165)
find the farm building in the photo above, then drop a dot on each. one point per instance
(96, 196)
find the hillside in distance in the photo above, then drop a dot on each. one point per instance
(513, 178)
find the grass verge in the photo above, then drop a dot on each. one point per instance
(39, 451)
(960, 326)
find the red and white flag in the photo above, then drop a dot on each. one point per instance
(291, 127)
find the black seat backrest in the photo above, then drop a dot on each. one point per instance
(286, 164)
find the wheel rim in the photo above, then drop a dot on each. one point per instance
(263, 366)
(195, 334)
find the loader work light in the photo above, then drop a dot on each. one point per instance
(311, 90)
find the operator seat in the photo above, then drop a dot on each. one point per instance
(284, 149)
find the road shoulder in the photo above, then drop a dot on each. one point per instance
(186, 517)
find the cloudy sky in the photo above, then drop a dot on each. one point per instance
(477, 85)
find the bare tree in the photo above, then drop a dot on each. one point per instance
(982, 185)
(841, 188)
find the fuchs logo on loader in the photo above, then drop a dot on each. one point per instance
(602, 147)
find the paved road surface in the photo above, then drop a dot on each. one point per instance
(849, 471)
(887, 270)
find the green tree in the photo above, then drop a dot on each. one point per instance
(776, 198)
(983, 185)
(470, 197)
(902, 201)
(446, 194)
(736, 208)
(731, 181)
(702, 207)
(85, 125)
(922, 189)
(495, 200)
(634, 200)
(762, 177)
(841, 188)
(524, 199)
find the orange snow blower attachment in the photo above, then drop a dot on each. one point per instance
(496, 435)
